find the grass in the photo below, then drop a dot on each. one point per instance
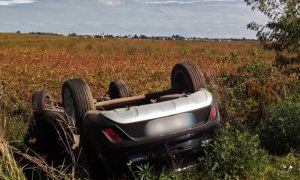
(9, 168)
(240, 74)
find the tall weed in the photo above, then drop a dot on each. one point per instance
(281, 133)
(234, 155)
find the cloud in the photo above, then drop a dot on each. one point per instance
(13, 2)
(110, 2)
(187, 2)
(209, 19)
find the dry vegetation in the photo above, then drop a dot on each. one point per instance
(240, 74)
(29, 62)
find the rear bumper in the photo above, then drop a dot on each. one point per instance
(188, 148)
(176, 156)
(183, 150)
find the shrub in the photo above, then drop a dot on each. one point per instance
(231, 58)
(234, 155)
(282, 29)
(282, 130)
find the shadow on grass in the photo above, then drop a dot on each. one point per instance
(56, 149)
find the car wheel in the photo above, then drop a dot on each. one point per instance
(77, 99)
(118, 89)
(41, 100)
(186, 77)
(49, 130)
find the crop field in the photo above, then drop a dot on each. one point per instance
(45, 62)
(249, 89)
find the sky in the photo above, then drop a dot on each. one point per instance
(188, 18)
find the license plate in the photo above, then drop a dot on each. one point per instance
(169, 125)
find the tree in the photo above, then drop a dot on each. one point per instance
(18, 32)
(71, 34)
(282, 32)
(143, 36)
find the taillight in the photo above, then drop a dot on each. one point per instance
(112, 135)
(213, 112)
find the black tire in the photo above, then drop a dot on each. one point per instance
(40, 101)
(186, 77)
(56, 120)
(49, 127)
(80, 95)
(53, 117)
(118, 89)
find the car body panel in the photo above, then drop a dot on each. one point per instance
(162, 109)
(137, 146)
(138, 129)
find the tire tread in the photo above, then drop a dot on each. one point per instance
(82, 97)
(193, 73)
(121, 86)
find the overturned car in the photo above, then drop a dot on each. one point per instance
(120, 130)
